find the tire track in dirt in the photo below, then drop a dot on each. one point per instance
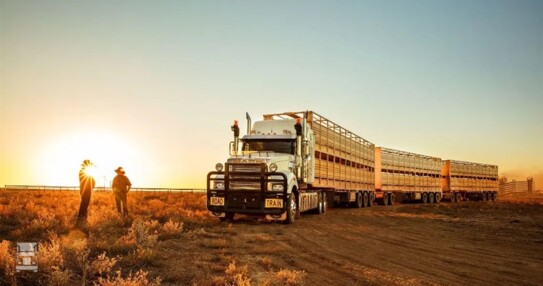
(442, 244)
(376, 246)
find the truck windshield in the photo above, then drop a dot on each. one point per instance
(277, 146)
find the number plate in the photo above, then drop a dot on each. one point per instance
(216, 201)
(274, 203)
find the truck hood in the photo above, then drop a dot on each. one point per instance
(284, 162)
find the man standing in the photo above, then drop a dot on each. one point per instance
(86, 186)
(120, 186)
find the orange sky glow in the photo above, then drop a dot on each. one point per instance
(154, 87)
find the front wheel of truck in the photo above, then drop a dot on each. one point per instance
(292, 208)
(228, 217)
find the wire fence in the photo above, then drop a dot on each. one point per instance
(99, 189)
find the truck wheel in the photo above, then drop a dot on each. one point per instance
(453, 198)
(371, 199)
(366, 199)
(494, 196)
(484, 197)
(228, 217)
(291, 211)
(438, 198)
(458, 197)
(431, 198)
(385, 199)
(324, 202)
(392, 198)
(424, 198)
(359, 200)
(320, 206)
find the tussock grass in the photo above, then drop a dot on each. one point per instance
(108, 250)
(112, 250)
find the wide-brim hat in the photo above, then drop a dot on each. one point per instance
(119, 170)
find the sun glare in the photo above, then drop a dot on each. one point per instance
(62, 158)
(91, 171)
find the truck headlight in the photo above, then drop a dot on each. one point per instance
(219, 167)
(219, 185)
(273, 167)
(277, 187)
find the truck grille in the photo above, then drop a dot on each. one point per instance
(245, 176)
(245, 168)
(245, 186)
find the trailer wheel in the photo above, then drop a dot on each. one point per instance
(365, 200)
(359, 203)
(318, 210)
(371, 199)
(424, 198)
(292, 209)
(494, 196)
(392, 198)
(431, 198)
(438, 197)
(458, 197)
(324, 202)
(385, 199)
(484, 197)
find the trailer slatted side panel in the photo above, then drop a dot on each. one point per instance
(469, 177)
(405, 171)
(344, 160)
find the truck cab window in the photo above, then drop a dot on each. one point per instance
(277, 146)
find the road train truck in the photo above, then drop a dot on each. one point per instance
(289, 163)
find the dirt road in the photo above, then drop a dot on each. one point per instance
(447, 244)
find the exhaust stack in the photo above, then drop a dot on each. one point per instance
(299, 134)
(248, 122)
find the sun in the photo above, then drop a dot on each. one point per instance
(62, 157)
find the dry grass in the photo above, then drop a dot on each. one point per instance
(107, 250)
(289, 277)
(112, 250)
(7, 263)
(234, 276)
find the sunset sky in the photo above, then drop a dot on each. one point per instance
(154, 86)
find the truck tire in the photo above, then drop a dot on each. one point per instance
(453, 198)
(324, 202)
(424, 198)
(494, 196)
(438, 198)
(385, 199)
(431, 198)
(458, 197)
(371, 199)
(291, 210)
(318, 210)
(365, 200)
(228, 217)
(359, 200)
(484, 197)
(392, 198)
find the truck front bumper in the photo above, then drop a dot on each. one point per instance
(247, 193)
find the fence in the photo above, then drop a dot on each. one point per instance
(99, 189)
